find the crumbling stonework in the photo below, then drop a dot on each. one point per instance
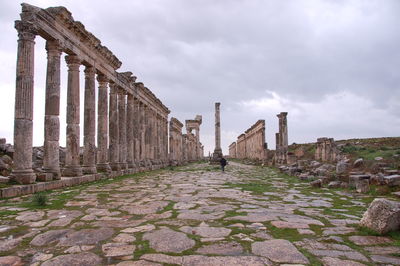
(132, 127)
(250, 145)
(281, 152)
(326, 150)
(232, 150)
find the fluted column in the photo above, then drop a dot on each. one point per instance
(142, 132)
(114, 128)
(72, 160)
(102, 125)
(23, 116)
(89, 127)
(130, 131)
(122, 128)
(51, 157)
(136, 151)
(147, 133)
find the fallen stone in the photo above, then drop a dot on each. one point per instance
(279, 250)
(370, 240)
(392, 180)
(167, 240)
(358, 163)
(11, 261)
(342, 167)
(334, 184)
(316, 183)
(362, 186)
(86, 258)
(382, 216)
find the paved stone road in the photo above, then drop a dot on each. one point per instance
(193, 215)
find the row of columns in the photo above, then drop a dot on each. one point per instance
(128, 135)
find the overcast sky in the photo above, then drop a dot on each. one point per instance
(333, 65)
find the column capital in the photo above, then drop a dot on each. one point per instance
(54, 47)
(72, 61)
(90, 71)
(113, 88)
(26, 30)
(101, 78)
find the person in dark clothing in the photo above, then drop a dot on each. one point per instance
(223, 163)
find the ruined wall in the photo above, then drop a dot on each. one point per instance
(251, 144)
(326, 150)
(232, 150)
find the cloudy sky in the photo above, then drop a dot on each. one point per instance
(334, 65)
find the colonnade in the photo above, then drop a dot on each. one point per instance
(132, 125)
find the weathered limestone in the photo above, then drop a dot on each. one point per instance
(195, 150)
(102, 125)
(23, 125)
(175, 142)
(72, 160)
(281, 153)
(122, 129)
(232, 150)
(51, 161)
(250, 145)
(132, 129)
(114, 128)
(382, 216)
(326, 150)
(217, 155)
(89, 131)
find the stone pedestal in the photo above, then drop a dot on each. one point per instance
(51, 157)
(23, 125)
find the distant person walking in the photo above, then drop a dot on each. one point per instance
(223, 163)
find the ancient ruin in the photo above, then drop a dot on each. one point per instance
(132, 130)
(326, 150)
(217, 155)
(281, 151)
(251, 145)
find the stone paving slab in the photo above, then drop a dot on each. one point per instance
(193, 215)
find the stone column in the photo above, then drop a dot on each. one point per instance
(89, 127)
(102, 125)
(129, 131)
(217, 151)
(122, 129)
(51, 157)
(141, 132)
(23, 116)
(72, 159)
(283, 137)
(136, 131)
(146, 133)
(114, 128)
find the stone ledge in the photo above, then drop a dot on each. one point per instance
(20, 190)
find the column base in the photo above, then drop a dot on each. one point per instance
(123, 166)
(23, 177)
(115, 166)
(56, 174)
(72, 171)
(89, 169)
(103, 167)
